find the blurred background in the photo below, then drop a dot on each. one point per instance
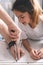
(7, 5)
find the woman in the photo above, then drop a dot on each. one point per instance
(30, 17)
(10, 31)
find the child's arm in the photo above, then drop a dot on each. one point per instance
(26, 45)
(33, 53)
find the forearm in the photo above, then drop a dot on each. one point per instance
(26, 45)
(4, 32)
(5, 17)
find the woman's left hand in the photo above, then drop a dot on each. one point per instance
(14, 32)
(40, 53)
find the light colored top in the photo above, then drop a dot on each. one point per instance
(34, 34)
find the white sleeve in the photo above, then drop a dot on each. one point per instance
(23, 35)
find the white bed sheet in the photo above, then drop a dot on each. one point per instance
(5, 55)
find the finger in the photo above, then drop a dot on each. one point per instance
(14, 33)
(42, 56)
(35, 55)
(36, 58)
(14, 37)
(39, 52)
(22, 52)
(18, 53)
(35, 51)
(14, 40)
(13, 54)
(32, 55)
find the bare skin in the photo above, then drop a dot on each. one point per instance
(10, 23)
(5, 33)
(5, 29)
(33, 52)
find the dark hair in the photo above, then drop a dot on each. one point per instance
(23, 6)
(30, 6)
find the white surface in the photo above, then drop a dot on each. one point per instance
(5, 55)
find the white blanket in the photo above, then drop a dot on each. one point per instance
(5, 55)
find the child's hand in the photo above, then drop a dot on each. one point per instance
(40, 53)
(20, 52)
(16, 53)
(34, 54)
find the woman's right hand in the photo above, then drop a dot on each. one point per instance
(34, 54)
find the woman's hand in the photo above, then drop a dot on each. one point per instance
(14, 32)
(40, 53)
(34, 54)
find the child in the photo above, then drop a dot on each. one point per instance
(30, 17)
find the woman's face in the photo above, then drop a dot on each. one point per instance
(24, 18)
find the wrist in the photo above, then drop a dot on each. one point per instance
(11, 44)
(29, 49)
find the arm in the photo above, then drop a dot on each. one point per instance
(26, 45)
(40, 52)
(32, 52)
(10, 23)
(5, 17)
